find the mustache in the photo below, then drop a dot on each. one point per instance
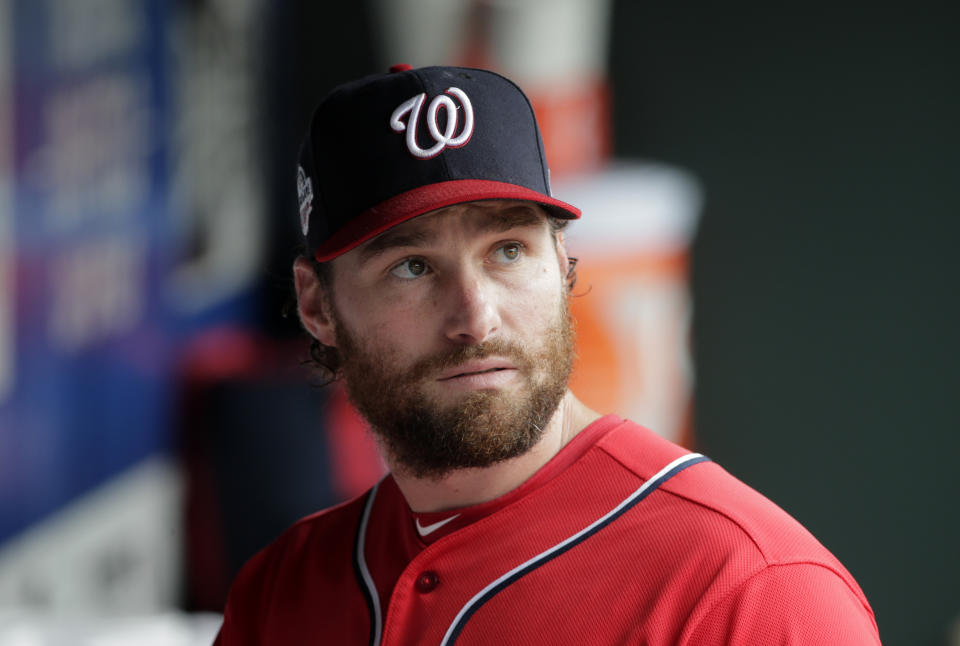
(456, 356)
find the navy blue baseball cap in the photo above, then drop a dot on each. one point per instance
(390, 147)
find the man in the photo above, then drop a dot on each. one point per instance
(435, 287)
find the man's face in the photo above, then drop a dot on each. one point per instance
(454, 334)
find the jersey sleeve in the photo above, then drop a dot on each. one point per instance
(792, 604)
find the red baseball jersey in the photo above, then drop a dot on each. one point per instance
(622, 538)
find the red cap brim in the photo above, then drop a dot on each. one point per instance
(424, 199)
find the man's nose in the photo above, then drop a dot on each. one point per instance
(472, 310)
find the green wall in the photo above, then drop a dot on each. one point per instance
(825, 276)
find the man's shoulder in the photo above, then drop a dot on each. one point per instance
(333, 527)
(276, 588)
(320, 539)
(711, 501)
(708, 520)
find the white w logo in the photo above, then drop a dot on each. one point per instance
(443, 139)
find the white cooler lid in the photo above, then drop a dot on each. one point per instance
(632, 206)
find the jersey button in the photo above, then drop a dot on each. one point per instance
(427, 581)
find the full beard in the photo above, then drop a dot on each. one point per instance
(428, 439)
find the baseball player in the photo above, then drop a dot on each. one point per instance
(435, 287)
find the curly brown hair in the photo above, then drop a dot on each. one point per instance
(326, 360)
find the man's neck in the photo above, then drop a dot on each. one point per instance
(465, 487)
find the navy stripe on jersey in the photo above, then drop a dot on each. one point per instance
(523, 569)
(363, 572)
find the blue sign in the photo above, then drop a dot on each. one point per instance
(86, 391)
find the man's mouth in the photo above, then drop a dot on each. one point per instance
(479, 372)
(473, 368)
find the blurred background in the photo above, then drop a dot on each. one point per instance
(767, 274)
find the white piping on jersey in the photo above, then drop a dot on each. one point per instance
(654, 481)
(376, 623)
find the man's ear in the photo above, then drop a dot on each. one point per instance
(313, 303)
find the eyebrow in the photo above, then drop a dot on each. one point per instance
(513, 218)
(392, 239)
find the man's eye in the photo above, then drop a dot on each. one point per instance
(510, 252)
(410, 268)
